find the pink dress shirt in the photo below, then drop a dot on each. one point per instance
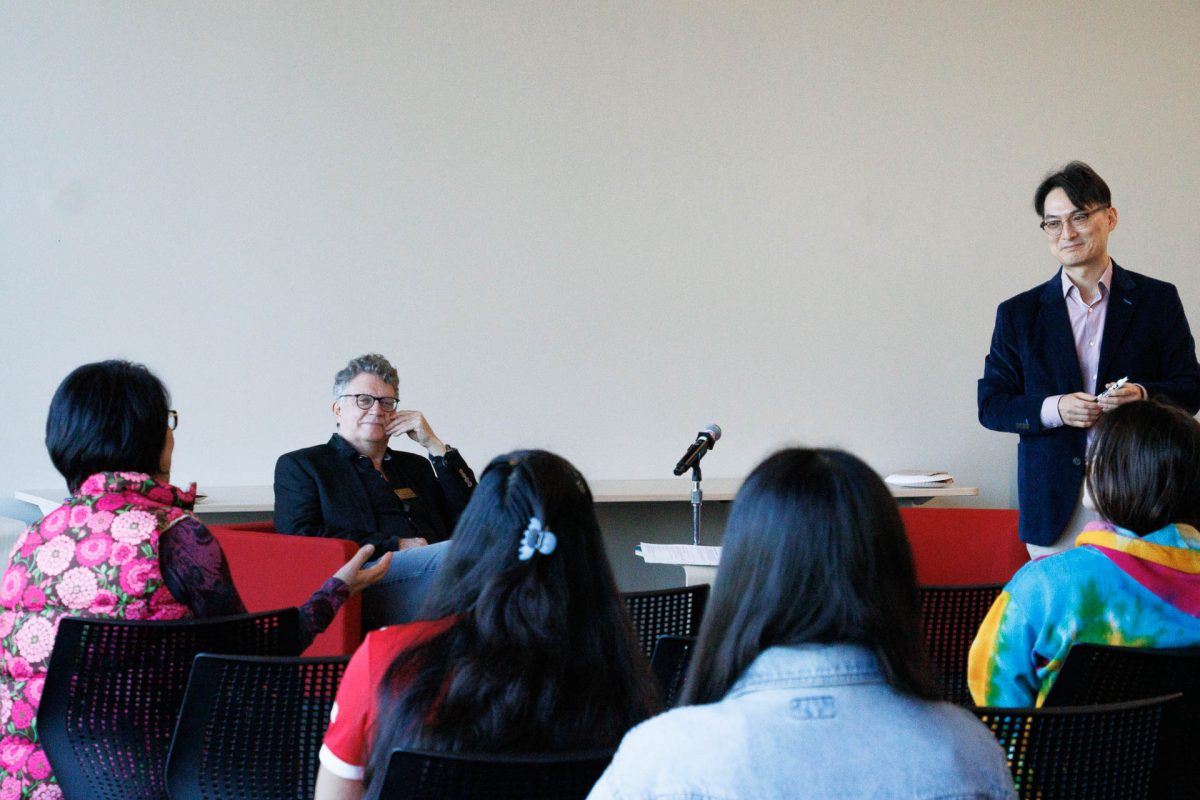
(1087, 328)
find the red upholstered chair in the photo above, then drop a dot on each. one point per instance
(957, 546)
(274, 570)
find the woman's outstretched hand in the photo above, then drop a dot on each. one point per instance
(354, 576)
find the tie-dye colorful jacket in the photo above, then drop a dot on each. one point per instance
(1112, 588)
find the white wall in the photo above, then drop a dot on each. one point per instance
(593, 227)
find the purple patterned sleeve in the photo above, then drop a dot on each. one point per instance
(197, 575)
(196, 572)
(319, 611)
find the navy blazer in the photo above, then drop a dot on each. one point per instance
(1146, 336)
(319, 492)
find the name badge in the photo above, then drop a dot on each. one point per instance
(405, 494)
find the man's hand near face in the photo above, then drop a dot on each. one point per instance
(414, 425)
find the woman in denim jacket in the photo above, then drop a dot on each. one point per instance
(809, 678)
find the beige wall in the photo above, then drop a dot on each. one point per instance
(594, 227)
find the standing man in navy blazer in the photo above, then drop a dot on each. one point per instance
(1059, 345)
(356, 487)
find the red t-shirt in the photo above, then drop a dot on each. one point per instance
(348, 740)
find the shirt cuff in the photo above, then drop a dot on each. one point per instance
(1050, 416)
(339, 768)
(452, 462)
(337, 587)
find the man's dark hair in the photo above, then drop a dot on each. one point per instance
(1083, 186)
(110, 416)
(1144, 466)
(814, 552)
(540, 656)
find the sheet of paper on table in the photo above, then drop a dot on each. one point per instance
(679, 554)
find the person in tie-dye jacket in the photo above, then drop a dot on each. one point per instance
(1132, 581)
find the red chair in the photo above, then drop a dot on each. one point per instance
(274, 570)
(958, 546)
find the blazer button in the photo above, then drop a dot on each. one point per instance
(1077, 461)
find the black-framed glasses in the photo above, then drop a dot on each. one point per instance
(365, 401)
(172, 419)
(1078, 222)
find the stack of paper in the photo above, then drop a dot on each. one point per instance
(919, 477)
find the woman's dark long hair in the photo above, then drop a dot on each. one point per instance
(814, 552)
(540, 656)
(1144, 466)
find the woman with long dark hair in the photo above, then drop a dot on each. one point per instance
(1133, 580)
(809, 678)
(523, 644)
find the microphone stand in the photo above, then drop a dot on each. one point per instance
(697, 500)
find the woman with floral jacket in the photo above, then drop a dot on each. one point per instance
(124, 545)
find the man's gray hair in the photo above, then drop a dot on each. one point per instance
(371, 364)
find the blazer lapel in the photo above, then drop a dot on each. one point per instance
(1056, 333)
(1122, 301)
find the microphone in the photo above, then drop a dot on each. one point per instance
(705, 441)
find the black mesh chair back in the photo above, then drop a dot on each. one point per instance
(113, 691)
(251, 727)
(1105, 752)
(950, 618)
(665, 612)
(418, 775)
(1097, 673)
(1100, 673)
(669, 663)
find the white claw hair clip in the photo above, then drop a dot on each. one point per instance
(536, 540)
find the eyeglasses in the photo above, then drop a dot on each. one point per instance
(365, 401)
(1079, 220)
(172, 419)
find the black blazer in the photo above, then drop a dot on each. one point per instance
(319, 492)
(1146, 337)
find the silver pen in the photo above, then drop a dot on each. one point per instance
(1112, 388)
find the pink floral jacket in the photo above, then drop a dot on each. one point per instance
(97, 555)
(103, 554)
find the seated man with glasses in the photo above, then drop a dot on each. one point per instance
(1095, 336)
(355, 487)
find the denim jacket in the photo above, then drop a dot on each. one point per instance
(810, 721)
